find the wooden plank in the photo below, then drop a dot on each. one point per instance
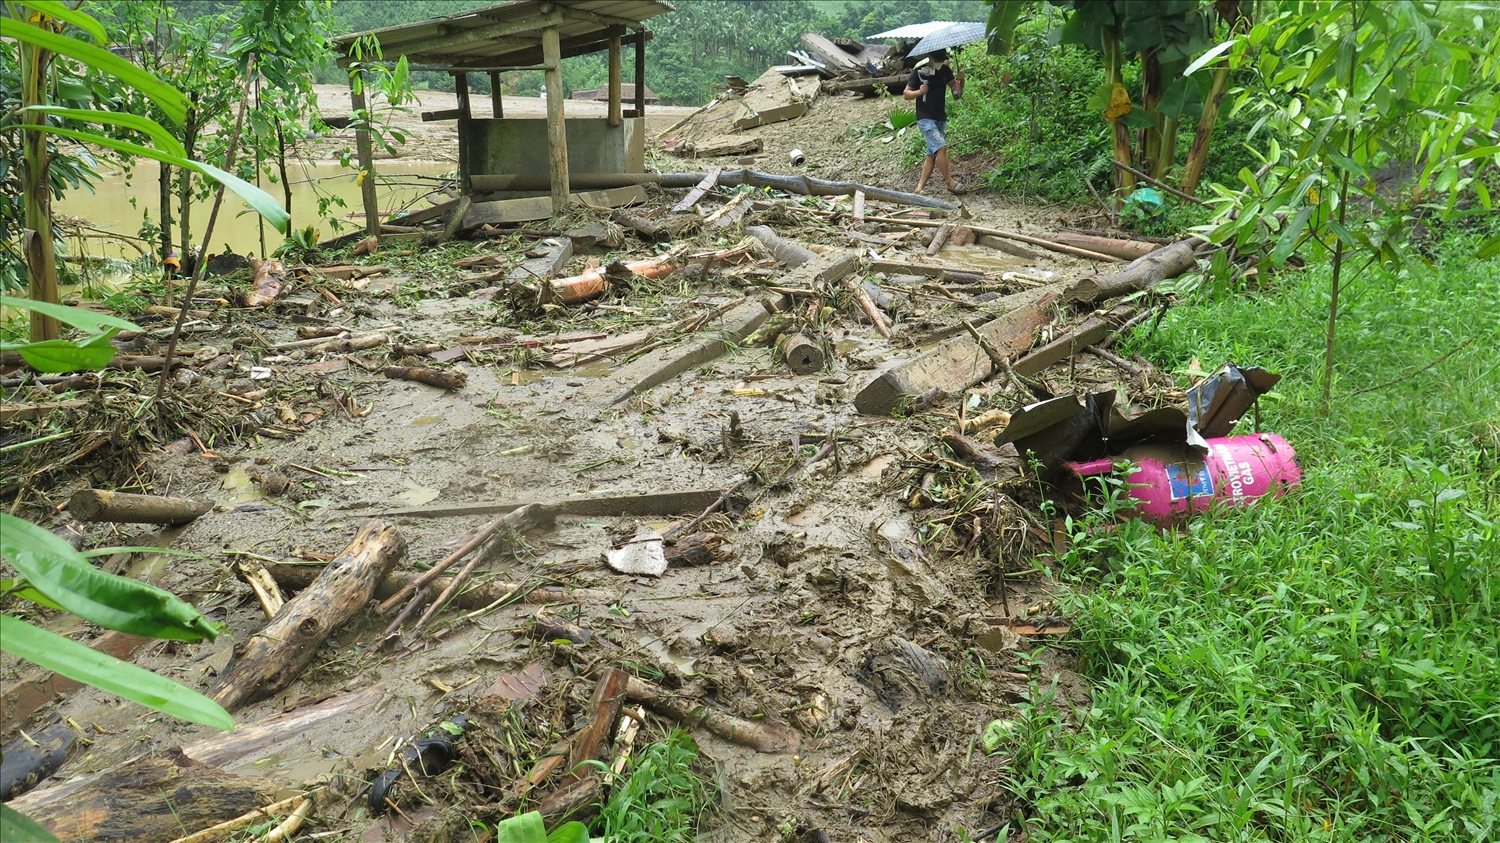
(654, 370)
(425, 214)
(959, 362)
(530, 209)
(1093, 329)
(445, 114)
(26, 412)
(599, 505)
(1000, 244)
(497, 100)
(688, 201)
(859, 205)
(557, 136)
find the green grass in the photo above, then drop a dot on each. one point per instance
(661, 800)
(1326, 667)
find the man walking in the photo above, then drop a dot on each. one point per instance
(928, 85)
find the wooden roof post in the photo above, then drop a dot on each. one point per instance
(498, 109)
(366, 153)
(640, 73)
(557, 135)
(614, 79)
(461, 92)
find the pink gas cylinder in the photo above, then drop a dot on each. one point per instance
(1174, 480)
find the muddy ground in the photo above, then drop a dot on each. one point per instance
(860, 600)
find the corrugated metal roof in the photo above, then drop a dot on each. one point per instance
(913, 31)
(507, 33)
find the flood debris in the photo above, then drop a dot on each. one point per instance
(271, 660)
(441, 378)
(123, 507)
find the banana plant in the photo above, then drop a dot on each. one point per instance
(38, 26)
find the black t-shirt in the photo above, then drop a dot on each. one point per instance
(932, 105)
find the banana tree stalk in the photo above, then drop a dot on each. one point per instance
(37, 243)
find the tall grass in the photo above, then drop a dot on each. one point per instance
(1325, 667)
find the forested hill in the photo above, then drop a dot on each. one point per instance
(695, 47)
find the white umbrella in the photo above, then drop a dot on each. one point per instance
(955, 35)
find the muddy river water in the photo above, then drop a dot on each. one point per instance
(121, 201)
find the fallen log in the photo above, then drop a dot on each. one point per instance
(26, 762)
(121, 507)
(1141, 273)
(959, 363)
(783, 250)
(761, 736)
(801, 185)
(867, 304)
(940, 239)
(594, 283)
(1000, 244)
(802, 355)
(273, 658)
(145, 799)
(267, 284)
(1127, 249)
(344, 345)
(441, 378)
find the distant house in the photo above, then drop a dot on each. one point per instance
(627, 94)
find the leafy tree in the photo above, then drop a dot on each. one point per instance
(38, 27)
(1379, 114)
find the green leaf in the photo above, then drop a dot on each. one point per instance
(150, 128)
(169, 99)
(1490, 248)
(1001, 25)
(85, 22)
(16, 827)
(83, 664)
(58, 356)
(1286, 244)
(1208, 57)
(76, 316)
(54, 568)
(26, 592)
(256, 198)
(522, 828)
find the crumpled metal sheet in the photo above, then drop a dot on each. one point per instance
(1091, 426)
(1214, 405)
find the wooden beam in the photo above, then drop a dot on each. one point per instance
(557, 134)
(614, 81)
(465, 115)
(578, 45)
(641, 38)
(601, 19)
(493, 32)
(445, 114)
(497, 104)
(366, 152)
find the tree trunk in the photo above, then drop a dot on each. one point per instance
(1124, 180)
(273, 658)
(286, 186)
(1198, 153)
(164, 183)
(185, 191)
(1151, 90)
(41, 256)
